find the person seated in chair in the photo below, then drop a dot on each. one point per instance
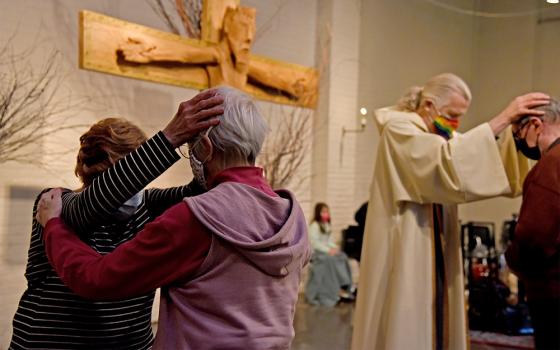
(330, 278)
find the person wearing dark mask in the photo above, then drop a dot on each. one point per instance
(410, 270)
(330, 276)
(524, 125)
(534, 254)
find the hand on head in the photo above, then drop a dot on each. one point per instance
(194, 116)
(50, 206)
(517, 109)
(523, 105)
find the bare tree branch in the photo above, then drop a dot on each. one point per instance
(267, 25)
(159, 8)
(190, 18)
(287, 148)
(32, 106)
(180, 14)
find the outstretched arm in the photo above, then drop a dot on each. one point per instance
(159, 200)
(170, 248)
(142, 50)
(111, 189)
(132, 173)
(425, 168)
(298, 82)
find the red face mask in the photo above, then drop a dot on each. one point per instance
(325, 217)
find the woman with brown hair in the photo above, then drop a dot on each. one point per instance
(114, 163)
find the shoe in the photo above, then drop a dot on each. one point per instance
(346, 296)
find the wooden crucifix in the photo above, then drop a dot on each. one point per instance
(222, 56)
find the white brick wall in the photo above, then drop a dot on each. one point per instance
(286, 31)
(338, 24)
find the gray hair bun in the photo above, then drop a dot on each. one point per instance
(411, 99)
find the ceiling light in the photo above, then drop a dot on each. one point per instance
(553, 1)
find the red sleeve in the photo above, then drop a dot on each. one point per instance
(537, 231)
(170, 248)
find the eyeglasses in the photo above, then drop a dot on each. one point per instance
(186, 149)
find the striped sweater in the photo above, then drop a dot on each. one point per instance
(51, 316)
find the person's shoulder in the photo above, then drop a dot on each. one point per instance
(177, 211)
(47, 189)
(554, 153)
(175, 219)
(314, 225)
(549, 164)
(44, 190)
(391, 120)
(546, 173)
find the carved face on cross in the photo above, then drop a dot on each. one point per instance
(239, 31)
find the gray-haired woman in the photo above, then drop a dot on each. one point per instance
(229, 260)
(115, 162)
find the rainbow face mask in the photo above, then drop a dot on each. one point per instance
(445, 126)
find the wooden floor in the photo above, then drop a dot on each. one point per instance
(316, 327)
(330, 328)
(321, 327)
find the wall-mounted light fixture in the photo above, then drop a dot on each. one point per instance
(362, 128)
(363, 122)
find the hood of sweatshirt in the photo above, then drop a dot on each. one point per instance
(270, 231)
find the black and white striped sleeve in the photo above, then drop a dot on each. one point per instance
(117, 184)
(159, 200)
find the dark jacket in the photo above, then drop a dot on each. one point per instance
(534, 252)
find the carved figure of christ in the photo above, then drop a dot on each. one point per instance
(227, 60)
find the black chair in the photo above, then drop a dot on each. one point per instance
(352, 236)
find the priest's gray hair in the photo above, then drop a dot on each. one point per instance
(438, 89)
(551, 111)
(242, 129)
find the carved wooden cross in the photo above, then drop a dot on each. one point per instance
(222, 56)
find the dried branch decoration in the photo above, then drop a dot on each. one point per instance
(285, 150)
(187, 12)
(32, 105)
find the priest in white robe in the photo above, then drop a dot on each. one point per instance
(411, 290)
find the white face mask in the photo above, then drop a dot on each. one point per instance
(129, 207)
